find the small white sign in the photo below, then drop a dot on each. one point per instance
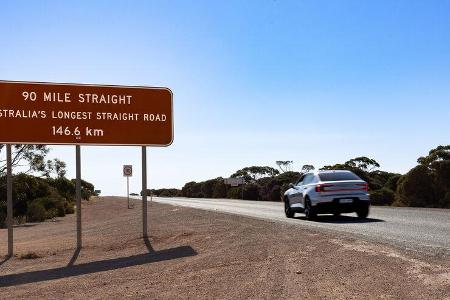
(127, 170)
(234, 181)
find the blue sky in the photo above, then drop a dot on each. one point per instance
(316, 82)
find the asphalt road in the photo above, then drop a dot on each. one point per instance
(420, 229)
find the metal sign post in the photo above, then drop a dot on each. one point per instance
(78, 194)
(128, 172)
(144, 192)
(9, 213)
(128, 191)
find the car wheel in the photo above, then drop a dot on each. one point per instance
(310, 212)
(287, 209)
(363, 212)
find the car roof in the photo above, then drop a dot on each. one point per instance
(332, 171)
(328, 171)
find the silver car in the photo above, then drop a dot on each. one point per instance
(329, 192)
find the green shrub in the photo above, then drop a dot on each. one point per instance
(64, 186)
(416, 188)
(234, 193)
(392, 182)
(251, 192)
(69, 207)
(382, 196)
(36, 212)
(54, 205)
(220, 189)
(445, 202)
(54, 196)
(51, 213)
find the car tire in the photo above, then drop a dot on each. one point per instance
(363, 211)
(310, 211)
(287, 209)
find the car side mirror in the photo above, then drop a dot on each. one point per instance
(291, 185)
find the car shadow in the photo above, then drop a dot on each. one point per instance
(341, 219)
(72, 270)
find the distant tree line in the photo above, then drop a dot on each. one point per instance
(426, 185)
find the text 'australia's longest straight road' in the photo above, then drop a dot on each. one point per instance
(52, 113)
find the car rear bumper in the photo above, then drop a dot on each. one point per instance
(333, 203)
(336, 207)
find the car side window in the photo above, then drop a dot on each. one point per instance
(299, 182)
(313, 179)
(307, 179)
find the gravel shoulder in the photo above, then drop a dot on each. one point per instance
(423, 230)
(198, 254)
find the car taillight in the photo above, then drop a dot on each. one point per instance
(321, 187)
(364, 186)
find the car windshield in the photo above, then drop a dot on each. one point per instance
(338, 176)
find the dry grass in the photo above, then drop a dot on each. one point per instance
(29, 255)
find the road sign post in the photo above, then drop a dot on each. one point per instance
(78, 193)
(82, 114)
(9, 200)
(144, 192)
(128, 172)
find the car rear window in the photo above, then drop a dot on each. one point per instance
(338, 176)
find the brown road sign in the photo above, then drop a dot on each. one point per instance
(60, 113)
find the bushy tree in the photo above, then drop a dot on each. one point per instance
(220, 189)
(165, 193)
(33, 195)
(33, 158)
(267, 188)
(192, 189)
(440, 153)
(382, 196)
(363, 163)
(288, 177)
(378, 179)
(234, 193)
(87, 189)
(284, 165)
(438, 164)
(251, 174)
(416, 188)
(64, 186)
(392, 182)
(307, 168)
(251, 191)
